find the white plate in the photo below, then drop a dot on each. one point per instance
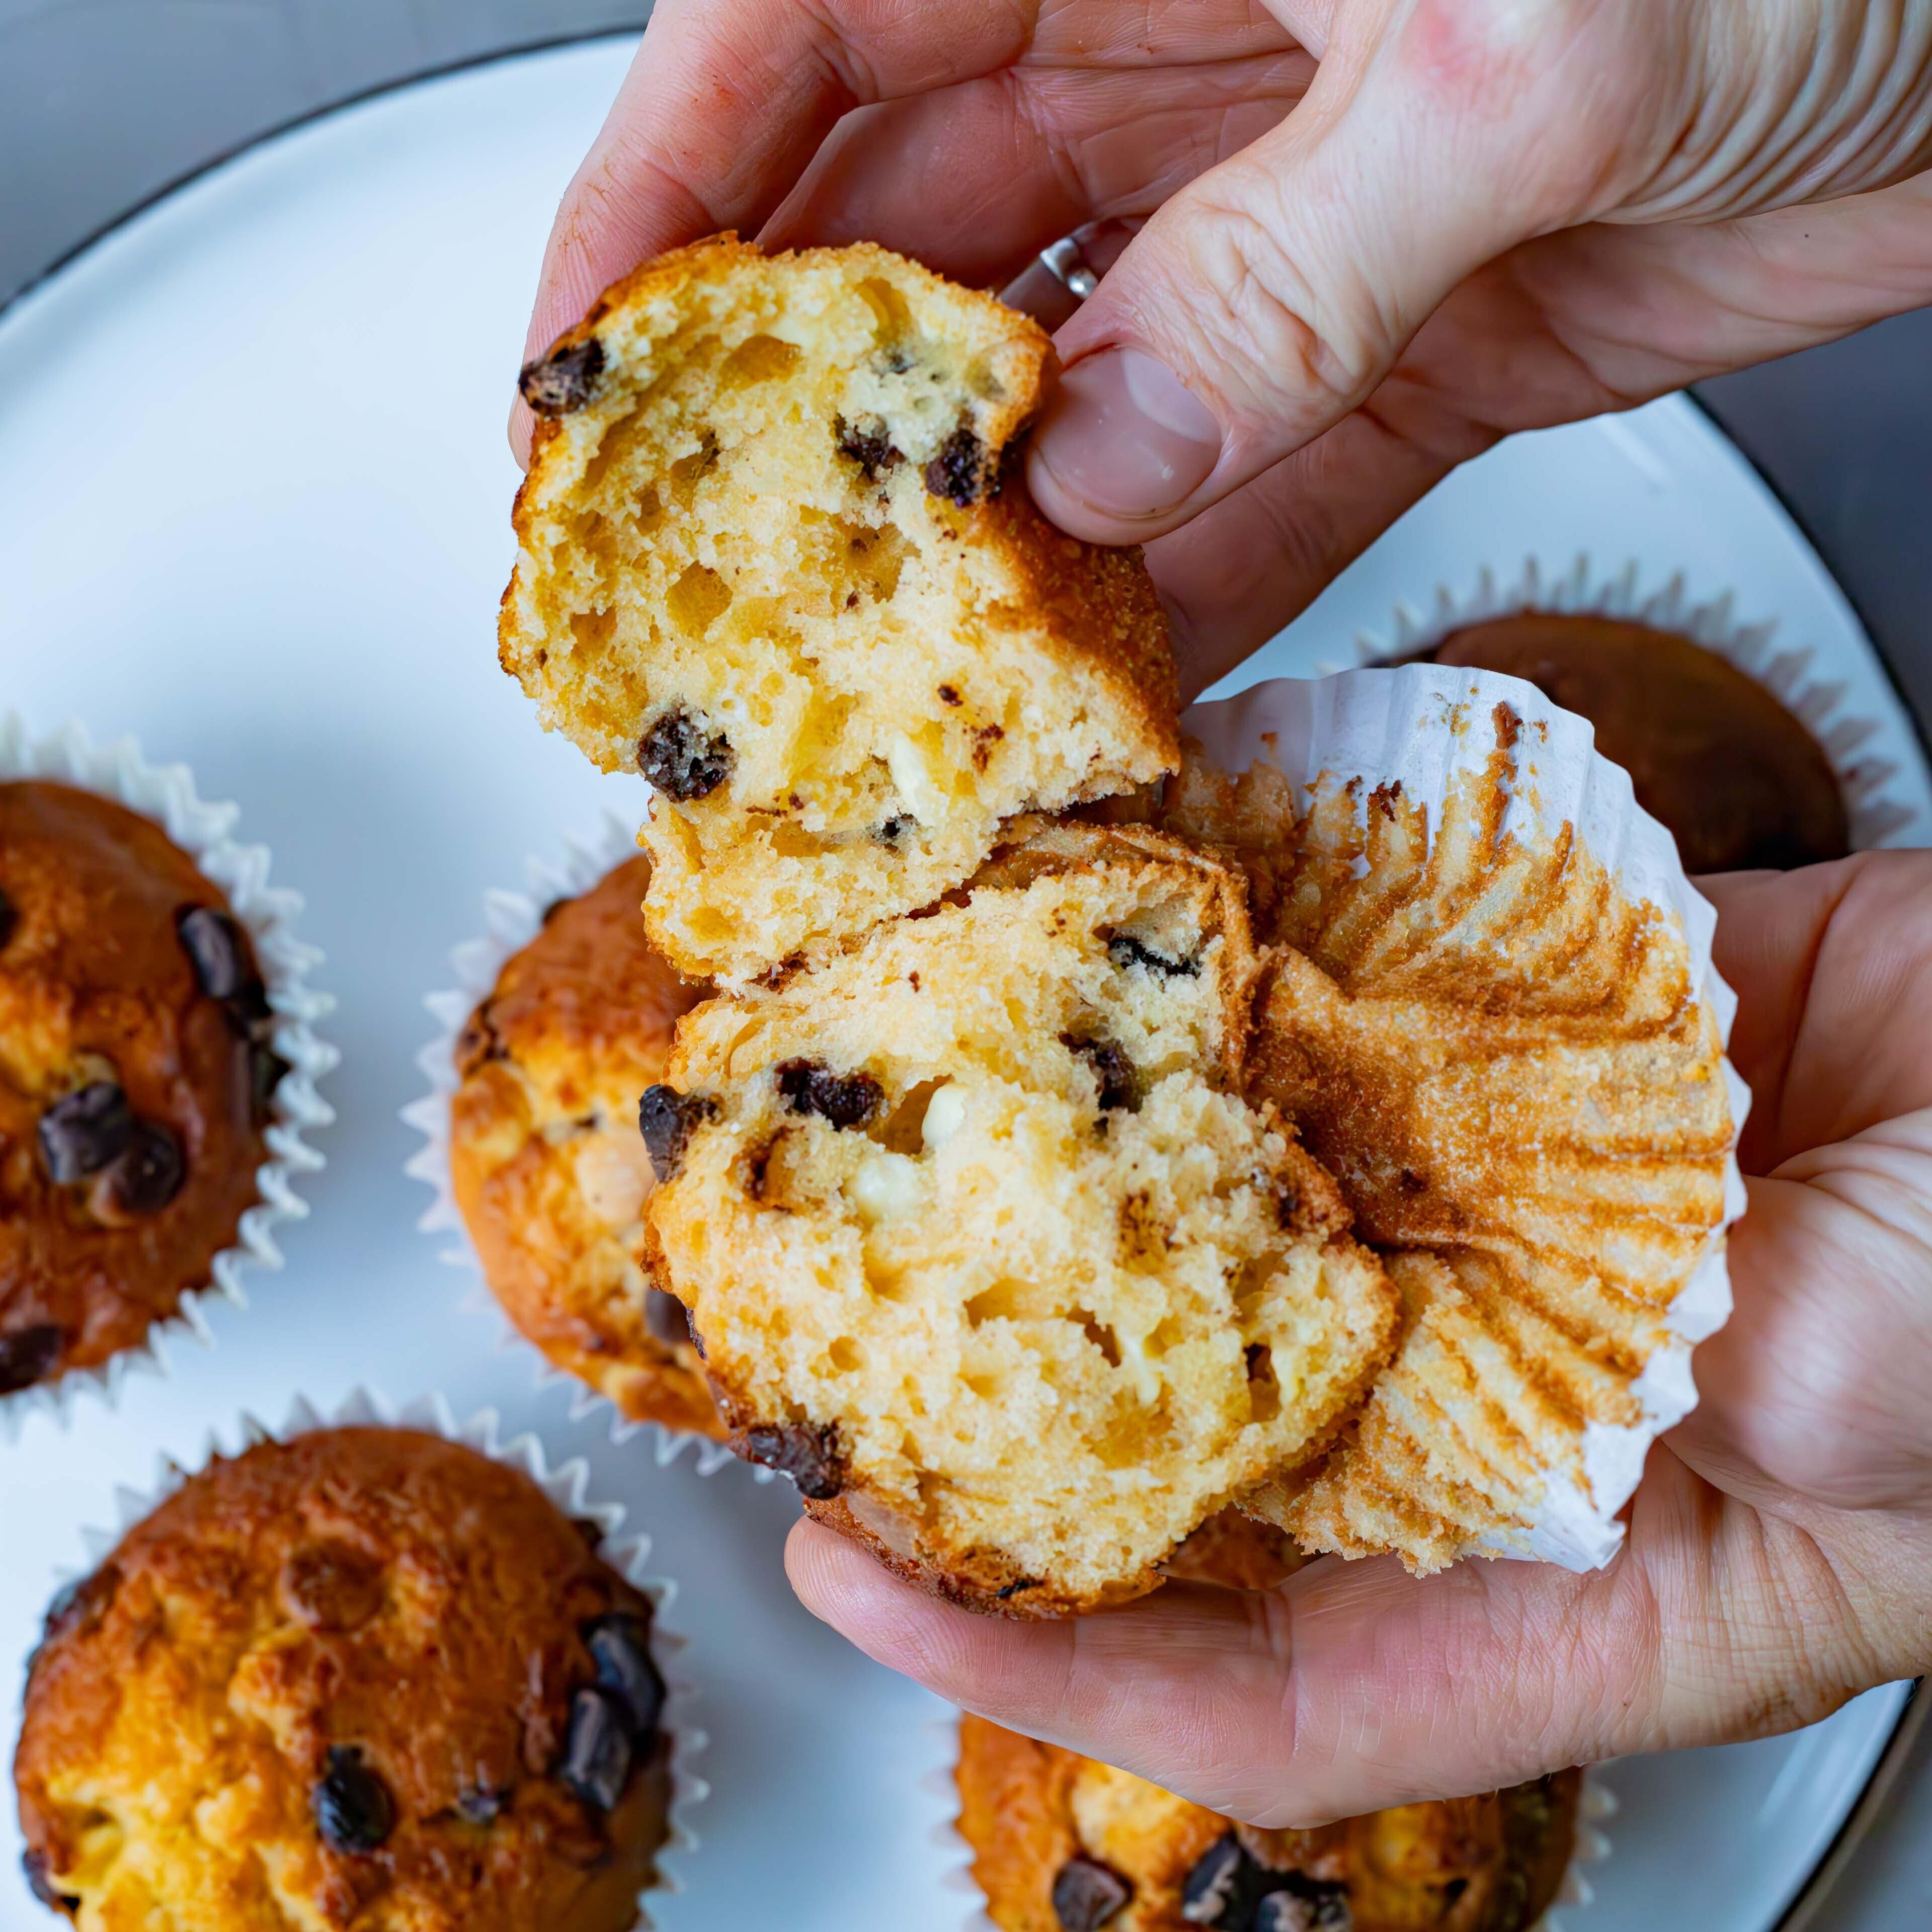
(254, 507)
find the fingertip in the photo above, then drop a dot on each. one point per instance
(519, 428)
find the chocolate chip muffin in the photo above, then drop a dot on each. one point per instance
(774, 554)
(1737, 780)
(136, 1078)
(368, 1678)
(983, 1244)
(1062, 1844)
(546, 1161)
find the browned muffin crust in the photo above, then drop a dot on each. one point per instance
(132, 1098)
(547, 1165)
(1711, 753)
(352, 1680)
(1062, 1844)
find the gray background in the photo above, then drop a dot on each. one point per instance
(104, 102)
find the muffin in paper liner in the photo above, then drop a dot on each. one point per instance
(1495, 1019)
(1596, 1804)
(204, 830)
(512, 920)
(1888, 798)
(567, 1487)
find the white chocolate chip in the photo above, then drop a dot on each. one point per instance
(887, 1187)
(945, 1115)
(925, 798)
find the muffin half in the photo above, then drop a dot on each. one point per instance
(773, 554)
(985, 1247)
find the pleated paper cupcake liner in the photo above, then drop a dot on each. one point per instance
(1881, 770)
(566, 1484)
(206, 831)
(939, 1790)
(511, 920)
(1417, 728)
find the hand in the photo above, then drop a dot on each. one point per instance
(1780, 1554)
(1479, 218)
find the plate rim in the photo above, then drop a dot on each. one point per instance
(1914, 1717)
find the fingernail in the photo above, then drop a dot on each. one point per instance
(1127, 436)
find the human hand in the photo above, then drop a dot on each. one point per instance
(1482, 217)
(1780, 1553)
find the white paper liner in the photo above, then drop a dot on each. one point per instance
(567, 1486)
(511, 920)
(1398, 723)
(1596, 1804)
(1882, 809)
(204, 831)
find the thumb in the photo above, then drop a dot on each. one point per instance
(1267, 299)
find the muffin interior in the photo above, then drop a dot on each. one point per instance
(757, 567)
(980, 1207)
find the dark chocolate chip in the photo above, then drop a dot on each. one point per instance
(1223, 1887)
(1117, 1079)
(597, 1748)
(34, 1864)
(681, 759)
(249, 1013)
(564, 380)
(1087, 1894)
(871, 450)
(959, 472)
(1302, 1904)
(1124, 950)
(809, 1457)
(892, 832)
(28, 1355)
(668, 1119)
(149, 1174)
(9, 919)
(481, 1804)
(845, 1099)
(667, 1318)
(85, 1131)
(947, 695)
(1013, 1588)
(267, 1070)
(216, 950)
(353, 1810)
(620, 1645)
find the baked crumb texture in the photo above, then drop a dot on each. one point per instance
(547, 1165)
(1502, 1061)
(1062, 1844)
(773, 554)
(367, 1678)
(984, 1245)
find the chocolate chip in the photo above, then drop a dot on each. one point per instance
(1013, 1589)
(1087, 1894)
(149, 1173)
(959, 472)
(871, 450)
(353, 1810)
(84, 1131)
(267, 1070)
(565, 379)
(845, 1099)
(597, 1748)
(28, 1355)
(668, 1119)
(666, 1317)
(620, 1645)
(1223, 1887)
(35, 1865)
(1124, 950)
(1118, 1077)
(216, 950)
(9, 919)
(481, 1804)
(1302, 1904)
(947, 695)
(892, 832)
(681, 759)
(809, 1457)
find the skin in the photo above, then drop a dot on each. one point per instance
(1368, 239)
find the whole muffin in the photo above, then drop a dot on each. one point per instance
(368, 1678)
(546, 1161)
(1062, 1844)
(1711, 753)
(136, 1077)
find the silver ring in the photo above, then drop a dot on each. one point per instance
(1068, 266)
